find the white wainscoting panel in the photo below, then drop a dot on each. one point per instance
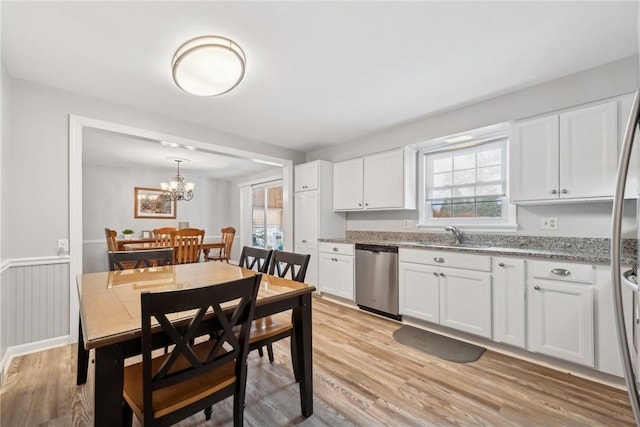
(35, 303)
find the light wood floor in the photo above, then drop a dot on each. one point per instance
(361, 377)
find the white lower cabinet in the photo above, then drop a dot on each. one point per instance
(336, 270)
(419, 291)
(453, 297)
(509, 311)
(465, 300)
(561, 311)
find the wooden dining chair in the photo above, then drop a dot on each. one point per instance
(223, 254)
(255, 259)
(125, 260)
(111, 236)
(192, 377)
(162, 236)
(267, 330)
(187, 244)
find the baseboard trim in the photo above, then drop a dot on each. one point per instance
(32, 347)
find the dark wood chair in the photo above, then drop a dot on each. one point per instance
(192, 377)
(266, 331)
(255, 259)
(188, 245)
(125, 260)
(228, 234)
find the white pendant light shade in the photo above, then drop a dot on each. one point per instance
(208, 66)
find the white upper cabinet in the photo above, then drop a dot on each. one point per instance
(306, 177)
(572, 155)
(383, 181)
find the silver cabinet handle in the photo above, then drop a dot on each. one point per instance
(366, 204)
(435, 274)
(439, 259)
(501, 264)
(359, 204)
(335, 249)
(561, 272)
(536, 287)
(564, 191)
(304, 241)
(441, 274)
(554, 191)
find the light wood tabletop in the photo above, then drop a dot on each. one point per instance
(111, 321)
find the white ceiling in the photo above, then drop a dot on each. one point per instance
(318, 73)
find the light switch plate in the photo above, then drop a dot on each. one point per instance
(63, 246)
(550, 223)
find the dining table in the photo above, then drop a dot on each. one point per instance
(110, 322)
(141, 246)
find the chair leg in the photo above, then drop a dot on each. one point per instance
(83, 358)
(270, 352)
(207, 413)
(294, 359)
(127, 414)
(260, 353)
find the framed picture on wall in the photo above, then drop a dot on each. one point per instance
(152, 203)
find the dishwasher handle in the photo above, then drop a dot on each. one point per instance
(376, 248)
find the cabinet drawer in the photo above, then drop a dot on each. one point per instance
(565, 271)
(337, 248)
(446, 259)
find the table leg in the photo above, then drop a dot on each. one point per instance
(83, 358)
(304, 350)
(109, 410)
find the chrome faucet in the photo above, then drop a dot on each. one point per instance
(457, 234)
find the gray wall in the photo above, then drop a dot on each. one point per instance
(108, 201)
(589, 220)
(4, 144)
(39, 115)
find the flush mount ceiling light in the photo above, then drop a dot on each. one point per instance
(208, 66)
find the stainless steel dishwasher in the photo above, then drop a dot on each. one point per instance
(377, 279)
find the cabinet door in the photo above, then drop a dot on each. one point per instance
(589, 151)
(336, 275)
(306, 218)
(561, 320)
(384, 180)
(465, 301)
(312, 269)
(419, 291)
(533, 159)
(347, 185)
(509, 301)
(306, 177)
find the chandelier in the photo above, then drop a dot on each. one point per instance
(176, 189)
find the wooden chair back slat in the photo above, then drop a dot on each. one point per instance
(188, 245)
(162, 236)
(255, 259)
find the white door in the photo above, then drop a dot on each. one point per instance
(306, 177)
(419, 289)
(589, 151)
(336, 275)
(509, 301)
(306, 217)
(561, 320)
(465, 301)
(533, 159)
(347, 185)
(384, 180)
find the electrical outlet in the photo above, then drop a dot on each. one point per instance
(63, 246)
(407, 223)
(549, 223)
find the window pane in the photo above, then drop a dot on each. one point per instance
(465, 161)
(489, 209)
(441, 194)
(463, 210)
(464, 191)
(441, 210)
(489, 157)
(442, 179)
(464, 177)
(442, 165)
(491, 173)
(489, 190)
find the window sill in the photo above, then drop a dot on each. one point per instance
(506, 228)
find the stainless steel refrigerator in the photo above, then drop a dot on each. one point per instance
(627, 340)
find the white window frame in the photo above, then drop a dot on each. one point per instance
(506, 223)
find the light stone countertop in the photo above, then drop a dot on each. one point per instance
(596, 254)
